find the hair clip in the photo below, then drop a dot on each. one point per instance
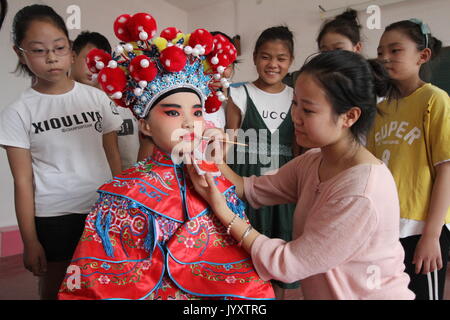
(424, 28)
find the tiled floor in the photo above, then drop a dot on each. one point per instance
(16, 283)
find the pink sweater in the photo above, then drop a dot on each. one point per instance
(345, 230)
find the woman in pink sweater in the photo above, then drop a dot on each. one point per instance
(346, 224)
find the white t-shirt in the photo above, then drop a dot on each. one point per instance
(64, 134)
(272, 107)
(128, 136)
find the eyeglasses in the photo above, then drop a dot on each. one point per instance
(39, 53)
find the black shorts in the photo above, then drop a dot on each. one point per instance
(59, 236)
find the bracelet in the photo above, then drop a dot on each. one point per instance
(231, 222)
(246, 233)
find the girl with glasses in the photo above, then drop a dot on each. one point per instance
(52, 135)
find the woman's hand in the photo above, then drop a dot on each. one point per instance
(206, 188)
(34, 258)
(427, 256)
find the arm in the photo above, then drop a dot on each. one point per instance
(328, 240)
(22, 172)
(111, 147)
(428, 255)
(233, 116)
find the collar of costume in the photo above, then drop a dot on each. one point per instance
(163, 187)
(142, 68)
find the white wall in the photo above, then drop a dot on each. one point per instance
(95, 16)
(249, 17)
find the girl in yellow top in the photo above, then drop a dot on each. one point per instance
(412, 136)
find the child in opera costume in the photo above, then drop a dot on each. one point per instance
(150, 235)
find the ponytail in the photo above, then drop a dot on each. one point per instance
(383, 84)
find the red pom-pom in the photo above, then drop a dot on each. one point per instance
(231, 51)
(121, 27)
(141, 68)
(212, 104)
(112, 80)
(219, 43)
(120, 103)
(97, 55)
(170, 33)
(222, 59)
(203, 38)
(142, 22)
(173, 59)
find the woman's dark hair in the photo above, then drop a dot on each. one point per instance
(22, 21)
(4, 10)
(276, 33)
(422, 37)
(345, 24)
(349, 80)
(94, 38)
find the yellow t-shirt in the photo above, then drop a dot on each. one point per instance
(412, 136)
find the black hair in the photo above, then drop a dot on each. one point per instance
(414, 31)
(94, 38)
(22, 21)
(350, 80)
(4, 10)
(345, 24)
(276, 33)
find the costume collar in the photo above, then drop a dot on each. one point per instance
(162, 187)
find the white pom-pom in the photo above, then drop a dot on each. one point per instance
(222, 98)
(129, 47)
(217, 76)
(188, 50)
(145, 63)
(215, 60)
(143, 35)
(138, 92)
(117, 95)
(119, 49)
(112, 64)
(99, 65)
(226, 85)
(221, 69)
(94, 77)
(195, 52)
(202, 50)
(143, 84)
(223, 80)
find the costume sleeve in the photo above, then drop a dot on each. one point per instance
(331, 237)
(112, 121)
(14, 129)
(439, 112)
(272, 189)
